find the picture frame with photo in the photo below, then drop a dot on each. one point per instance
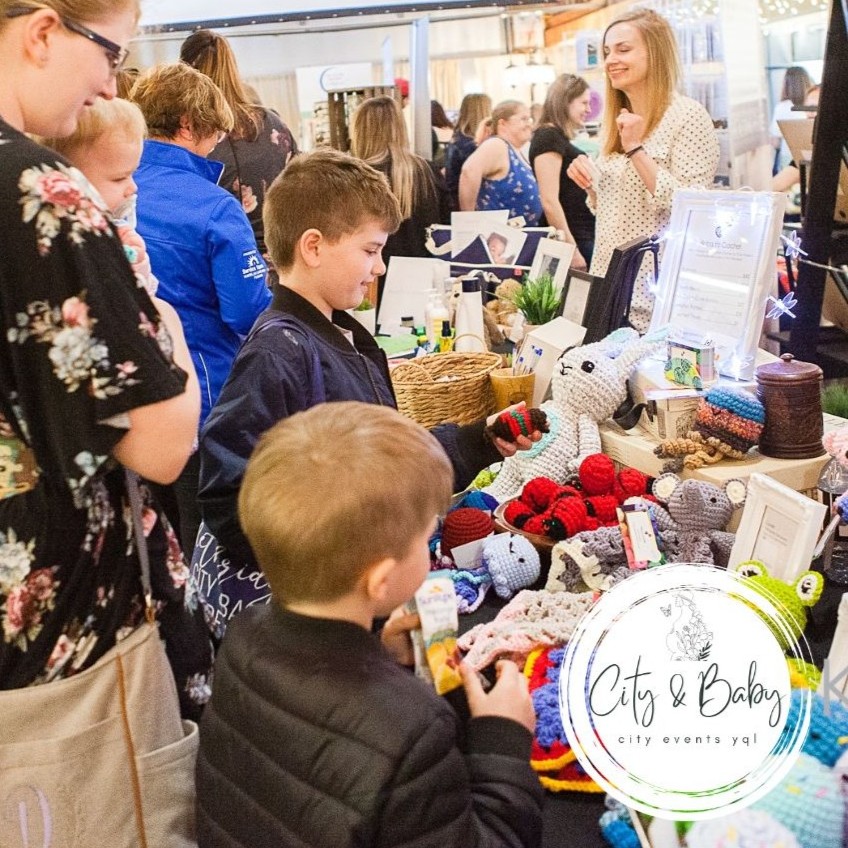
(578, 295)
(552, 257)
(503, 244)
(779, 527)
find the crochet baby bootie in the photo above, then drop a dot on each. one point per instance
(728, 424)
(463, 526)
(513, 563)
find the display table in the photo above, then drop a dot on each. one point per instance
(635, 448)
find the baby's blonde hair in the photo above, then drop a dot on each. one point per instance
(104, 116)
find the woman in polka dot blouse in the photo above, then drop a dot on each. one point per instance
(655, 141)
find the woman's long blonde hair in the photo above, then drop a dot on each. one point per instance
(211, 54)
(378, 134)
(473, 109)
(662, 80)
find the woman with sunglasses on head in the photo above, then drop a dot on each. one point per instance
(259, 145)
(565, 109)
(92, 378)
(654, 141)
(208, 266)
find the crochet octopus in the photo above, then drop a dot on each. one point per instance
(588, 384)
(728, 424)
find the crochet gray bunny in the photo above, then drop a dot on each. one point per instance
(589, 383)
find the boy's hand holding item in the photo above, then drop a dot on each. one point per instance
(508, 698)
(395, 635)
(521, 442)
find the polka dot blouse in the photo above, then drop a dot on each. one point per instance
(685, 146)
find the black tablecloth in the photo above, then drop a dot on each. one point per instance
(571, 818)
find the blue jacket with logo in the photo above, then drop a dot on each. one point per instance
(203, 252)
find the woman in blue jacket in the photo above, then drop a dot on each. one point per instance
(199, 240)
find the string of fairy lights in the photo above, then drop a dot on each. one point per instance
(770, 10)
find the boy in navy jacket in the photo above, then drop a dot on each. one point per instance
(327, 217)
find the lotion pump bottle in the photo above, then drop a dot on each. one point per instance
(469, 319)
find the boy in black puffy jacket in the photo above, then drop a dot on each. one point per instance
(315, 734)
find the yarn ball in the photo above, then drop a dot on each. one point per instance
(517, 513)
(619, 833)
(597, 474)
(539, 493)
(513, 563)
(742, 829)
(809, 802)
(476, 500)
(512, 423)
(730, 420)
(463, 526)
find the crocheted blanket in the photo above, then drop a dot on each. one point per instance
(530, 620)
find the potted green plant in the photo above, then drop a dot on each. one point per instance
(537, 300)
(366, 314)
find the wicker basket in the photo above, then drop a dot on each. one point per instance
(444, 387)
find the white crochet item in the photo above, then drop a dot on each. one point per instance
(530, 620)
(589, 383)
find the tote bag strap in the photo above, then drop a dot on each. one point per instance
(134, 494)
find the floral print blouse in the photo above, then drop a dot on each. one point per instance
(251, 166)
(81, 346)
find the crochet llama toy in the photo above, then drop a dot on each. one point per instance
(589, 383)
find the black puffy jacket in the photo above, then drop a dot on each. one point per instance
(315, 737)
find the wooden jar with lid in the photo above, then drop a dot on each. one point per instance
(790, 391)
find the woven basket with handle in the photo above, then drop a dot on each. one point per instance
(443, 387)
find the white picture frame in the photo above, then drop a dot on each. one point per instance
(779, 527)
(552, 257)
(717, 272)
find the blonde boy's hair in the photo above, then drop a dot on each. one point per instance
(104, 117)
(167, 94)
(662, 81)
(328, 191)
(334, 490)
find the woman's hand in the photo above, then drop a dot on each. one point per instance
(581, 172)
(631, 129)
(505, 448)
(578, 263)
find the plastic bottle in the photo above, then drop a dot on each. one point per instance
(438, 315)
(446, 337)
(833, 481)
(469, 319)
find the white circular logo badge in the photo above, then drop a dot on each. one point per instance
(675, 693)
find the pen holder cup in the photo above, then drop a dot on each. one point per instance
(509, 388)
